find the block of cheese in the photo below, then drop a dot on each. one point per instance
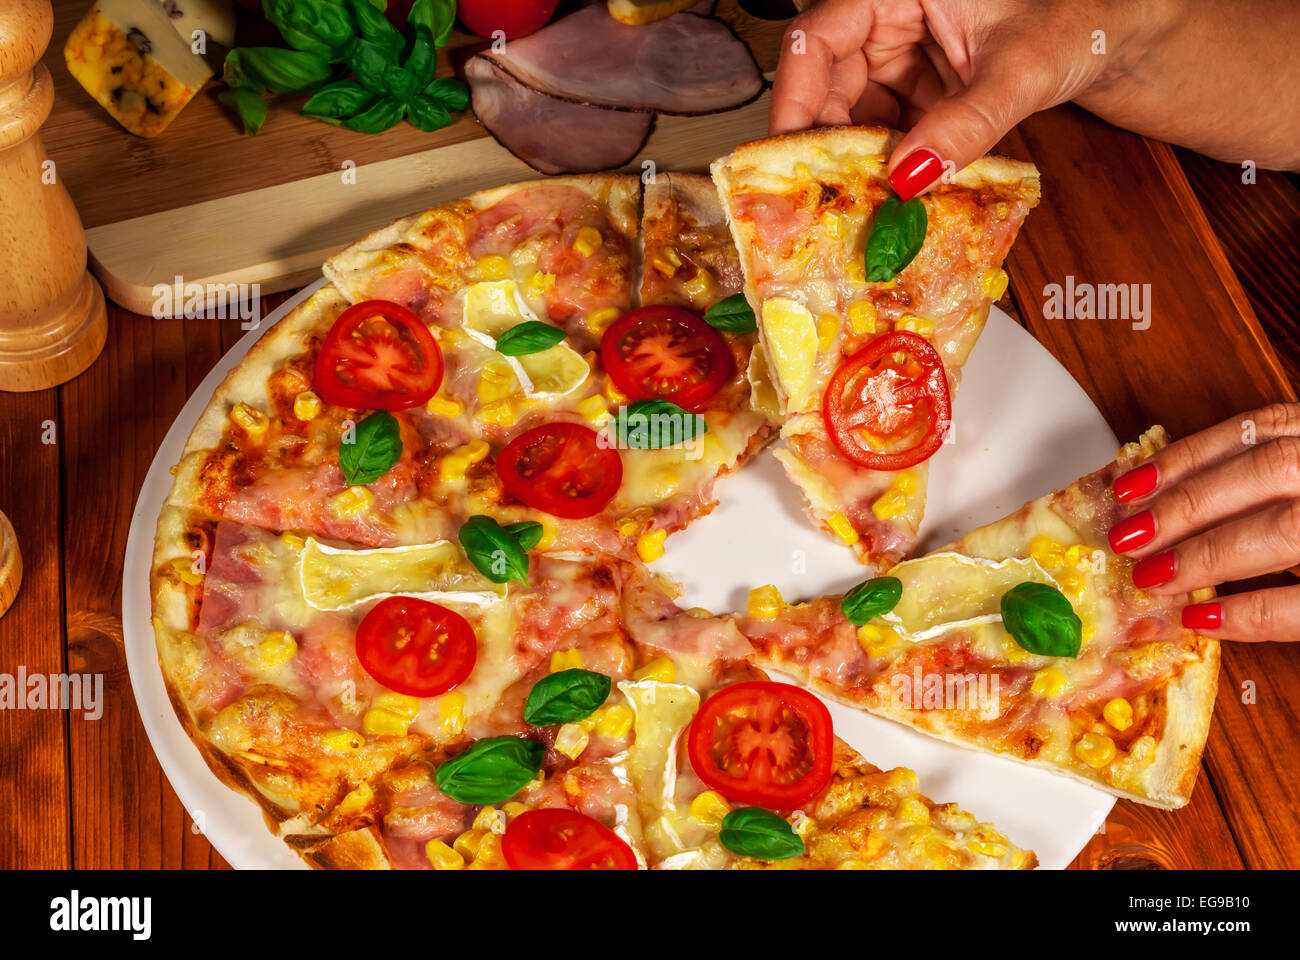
(216, 18)
(130, 56)
(646, 11)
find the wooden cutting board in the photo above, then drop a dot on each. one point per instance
(208, 204)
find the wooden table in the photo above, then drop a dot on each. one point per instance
(1221, 258)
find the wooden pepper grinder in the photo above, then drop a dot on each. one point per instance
(11, 564)
(52, 316)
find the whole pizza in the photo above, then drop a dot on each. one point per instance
(403, 586)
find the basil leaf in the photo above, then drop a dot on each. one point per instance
(531, 336)
(491, 771)
(527, 534)
(494, 551)
(655, 423)
(871, 598)
(276, 69)
(566, 697)
(422, 61)
(761, 834)
(452, 93)
(369, 62)
(249, 103)
(427, 114)
(1041, 620)
(400, 83)
(897, 233)
(374, 26)
(436, 16)
(379, 116)
(343, 98)
(376, 445)
(732, 314)
(314, 26)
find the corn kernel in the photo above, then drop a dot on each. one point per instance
(571, 740)
(832, 225)
(498, 412)
(468, 843)
(987, 849)
(540, 283)
(660, 669)
(356, 800)
(892, 503)
(493, 268)
(614, 720)
(277, 648)
(598, 321)
(913, 810)
(488, 856)
(615, 396)
(1049, 682)
(828, 328)
(306, 406)
(549, 530)
(514, 808)
(1079, 554)
(594, 410)
(444, 407)
(765, 602)
(876, 638)
(857, 270)
(1046, 552)
(709, 808)
(351, 502)
(650, 545)
(451, 712)
(1072, 584)
(452, 467)
(183, 569)
(994, 283)
(566, 660)
(293, 541)
(443, 857)
(496, 382)
(1013, 651)
(490, 820)
(862, 316)
(475, 450)
(1095, 750)
(342, 741)
(666, 261)
(251, 420)
(1118, 713)
(384, 723)
(588, 241)
(699, 286)
(634, 522)
(914, 324)
(841, 527)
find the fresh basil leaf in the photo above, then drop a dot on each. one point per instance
(427, 114)
(654, 423)
(400, 83)
(491, 771)
(732, 314)
(369, 62)
(527, 534)
(379, 116)
(1041, 620)
(314, 26)
(531, 336)
(897, 234)
(493, 550)
(761, 834)
(437, 16)
(422, 61)
(566, 697)
(337, 100)
(452, 93)
(249, 103)
(871, 598)
(276, 69)
(374, 26)
(376, 445)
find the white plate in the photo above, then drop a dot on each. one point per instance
(1023, 427)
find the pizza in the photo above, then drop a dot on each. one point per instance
(867, 308)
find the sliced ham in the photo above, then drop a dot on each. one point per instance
(550, 134)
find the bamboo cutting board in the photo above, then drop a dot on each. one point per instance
(208, 204)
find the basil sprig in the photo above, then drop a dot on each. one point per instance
(566, 697)
(1041, 620)
(761, 834)
(732, 314)
(531, 336)
(655, 423)
(897, 234)
(491, 771)
(374, 446)
(499, 553)
(871, 598)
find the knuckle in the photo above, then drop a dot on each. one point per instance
(1279, 419)
(1260, 614)
(1280, 463)
(1211, 555)
(1182, 504)
(1289, 528)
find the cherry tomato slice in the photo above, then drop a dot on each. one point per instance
(561, 469)
(666, 352)
(416, 647)
(896, 391)
(763, 743)
(378, 356)
(555, 839)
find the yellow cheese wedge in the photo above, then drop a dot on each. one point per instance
(646, 11)
(944, 590)
(493, 307)
(790, 337)
(334, 579)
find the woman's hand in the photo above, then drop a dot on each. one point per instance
(1221, 505)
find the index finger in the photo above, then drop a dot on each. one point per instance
(812, 44)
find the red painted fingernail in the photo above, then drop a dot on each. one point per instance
(1136, 483)
(919, 169)
(1203, 616)
(1154, 570)
(1137, 531)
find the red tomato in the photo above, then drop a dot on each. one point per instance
(378, 356)
(666, 352)
(763, 743)
(515, 18)
(554, 839)
(895, 390)
(562, 469)
(416, 647)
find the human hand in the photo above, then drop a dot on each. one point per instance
(1221, 505)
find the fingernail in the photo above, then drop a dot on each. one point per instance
(1154, 570)
(1203, 616)
(1136, 483)
(919, 169)
(1137, 531)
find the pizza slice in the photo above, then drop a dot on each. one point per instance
(867, 309)
(1025, 638)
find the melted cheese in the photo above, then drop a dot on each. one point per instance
(496, 306)
(334, 579)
